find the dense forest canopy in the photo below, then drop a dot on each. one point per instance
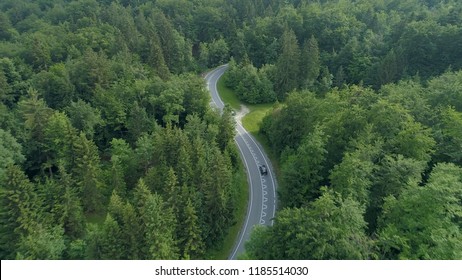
(109, 148)
(110, 151)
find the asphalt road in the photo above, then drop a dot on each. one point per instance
(262, 201)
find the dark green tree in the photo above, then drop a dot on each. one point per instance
(329, 228)
(35, 114)
(87, 173)
(42, 244)
(10, 151)
(301, 171)
(287, 67)
(310, 63)
(20, 210)
(432, 229)
(84, 117)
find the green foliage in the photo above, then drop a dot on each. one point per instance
(20, 210)
(55, 86)
(35, 114)
(449, 133)
(42, 244)
(301, 171)
(328, 228)
(432, 229)
(386, 152)
(353, 176)
(87, 172)
(84, 117)
(251, 85)
(287, 67)
(96, 96)
(310, 63)
(214, 53)
(10, 151)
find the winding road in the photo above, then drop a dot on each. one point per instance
(262, 199)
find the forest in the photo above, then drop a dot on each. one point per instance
(109, 148)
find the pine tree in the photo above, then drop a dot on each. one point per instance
(10, 151)
(5, 89)
(324, 82)
(156, 57)
(42, 244)
(310, 63)
(340, 77)
(171, 42)
(216, 196)
(173, 192)
(227, 129)
(287, 66)
(105, 241)
(159, 227)
(115, 177)
(138, 122)
(191, 244)
(61, 201)
(72, 217)
(19, 210)
(184, 165)
(87, 173)
(131, 232)
(35, 113)
(111, 240)
(60, 136)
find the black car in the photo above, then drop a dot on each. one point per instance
(263, 169)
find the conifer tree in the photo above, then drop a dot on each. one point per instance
(19, 210)
(192, 245)
(310, 63)
(35, 114)
(42, 243)
(287, 66)
(87, 173)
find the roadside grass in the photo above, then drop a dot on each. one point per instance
(252, 122)
(227, 95)
(222, 252)
(254, 118)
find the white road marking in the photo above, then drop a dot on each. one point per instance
(270, 173)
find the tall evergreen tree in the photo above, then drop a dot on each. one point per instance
(35, 114)
(10, 151)
(20, 210)
(310, 63)
(287, 66)
(42, 244)
(190, 237)
(160, 226)
(87, 172)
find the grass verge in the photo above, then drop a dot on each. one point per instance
(227, 95)
(252, 121)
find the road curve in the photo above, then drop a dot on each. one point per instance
(262, 199)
